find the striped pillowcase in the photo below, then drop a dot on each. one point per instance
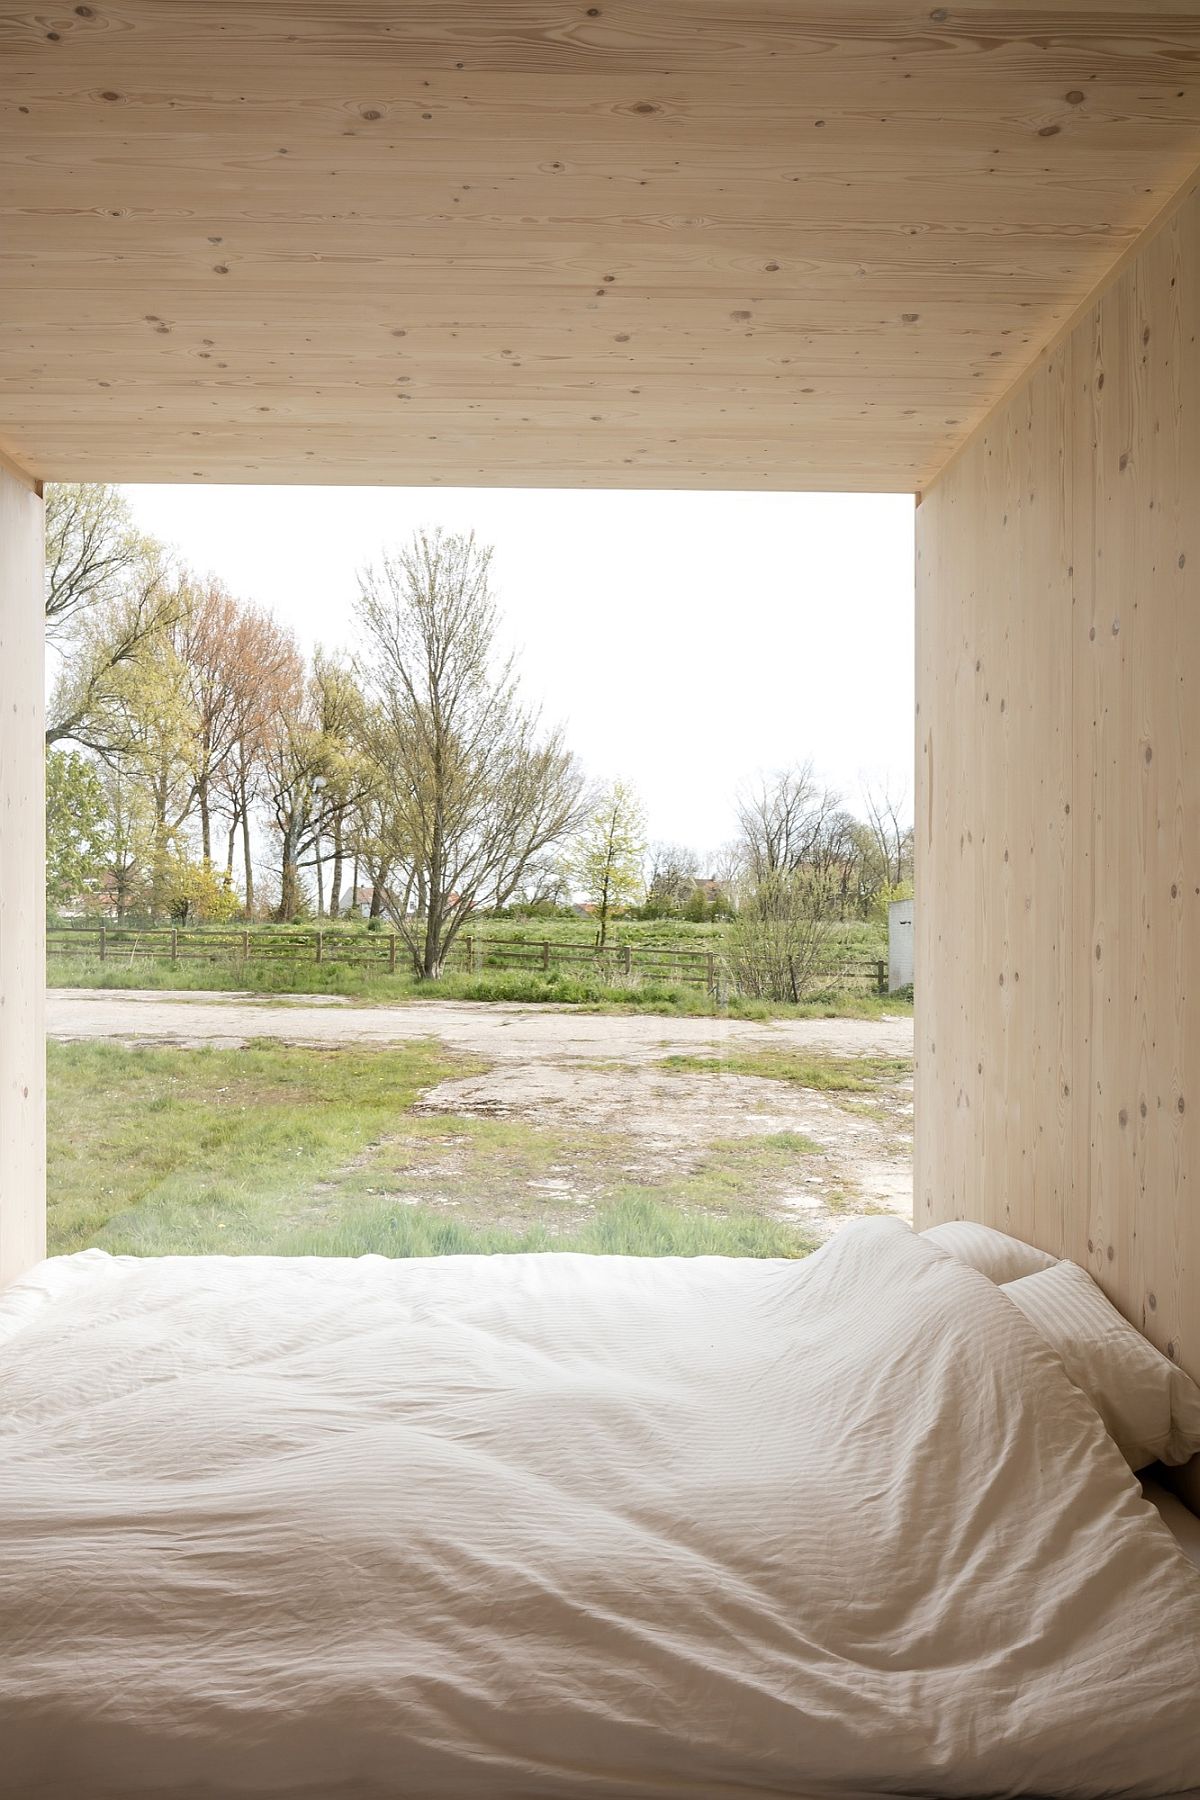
(1150, 1408)
(993, 1253)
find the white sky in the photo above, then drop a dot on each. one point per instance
(686, 640)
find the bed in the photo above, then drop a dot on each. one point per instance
(546, 1527)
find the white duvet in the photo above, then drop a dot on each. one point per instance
(559, 1526)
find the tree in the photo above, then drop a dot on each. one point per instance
(270, 676)
(474, 790)
(606, 857)
(783, 818)
(78, 834)
(775, 946)
(294, 760)
(94, 554)
(197, 893)
(674, 872)
(207, 638)
(887, 807)
(131, 840)
(349, 777)
(155, 726)
(109, 595)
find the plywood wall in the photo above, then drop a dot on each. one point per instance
(1058, 816)
(22, 887)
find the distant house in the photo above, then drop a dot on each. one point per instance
(356, 903)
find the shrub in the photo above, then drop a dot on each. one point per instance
(776, 944)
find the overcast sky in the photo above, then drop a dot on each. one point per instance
(686, 640)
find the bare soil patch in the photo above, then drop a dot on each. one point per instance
(596, 1084)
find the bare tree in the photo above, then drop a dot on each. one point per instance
(783, 819)
(776, 945)
(674, 872)
(476, 792)
(891, 829)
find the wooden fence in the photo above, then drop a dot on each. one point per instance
(385, 952)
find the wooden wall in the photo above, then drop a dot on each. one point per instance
(22, 887)
(1058, 808)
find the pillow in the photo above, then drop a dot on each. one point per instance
(998, 1257)
(1149, 1407)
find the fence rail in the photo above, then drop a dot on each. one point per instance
(385, 952)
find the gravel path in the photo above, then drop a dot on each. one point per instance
(524, 1034)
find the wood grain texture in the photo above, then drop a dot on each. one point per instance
(676, 243)
(1058, 736)
(22, 883)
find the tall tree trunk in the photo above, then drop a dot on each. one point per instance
(205, 822)
(320, 862)
(289, 878)
(604, 914)
(378, 883)
(247, 866)
(335, 890)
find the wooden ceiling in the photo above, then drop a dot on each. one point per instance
(637, 243)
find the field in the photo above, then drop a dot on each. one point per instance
(661, 966)
(176, 1127)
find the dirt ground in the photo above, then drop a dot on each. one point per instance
(600, 1075)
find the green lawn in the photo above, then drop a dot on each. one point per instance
(288, 1151)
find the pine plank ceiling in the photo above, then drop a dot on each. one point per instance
(636, 243)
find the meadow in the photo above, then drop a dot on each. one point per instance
(667, 966)
(283, 1150)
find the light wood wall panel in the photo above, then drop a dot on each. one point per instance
(22, 884)
(1058, 818)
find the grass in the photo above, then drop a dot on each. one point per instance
(826, 1074)
(587, 991)
(281, 1150)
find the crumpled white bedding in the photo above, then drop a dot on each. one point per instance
(559, 1526)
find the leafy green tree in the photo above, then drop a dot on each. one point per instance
(131, 839)
(196, 893)
(78, 831)
(109, 596)
(158, 733)
(606, 857)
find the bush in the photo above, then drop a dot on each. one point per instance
(776, 944)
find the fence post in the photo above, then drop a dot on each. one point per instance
(103, 943)
(627, 958)
(470, 954)
(320, 946)
(712, 971)
(881, 976)
(174, 943)
(392, 954)
(245, 946)
(545, 953)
